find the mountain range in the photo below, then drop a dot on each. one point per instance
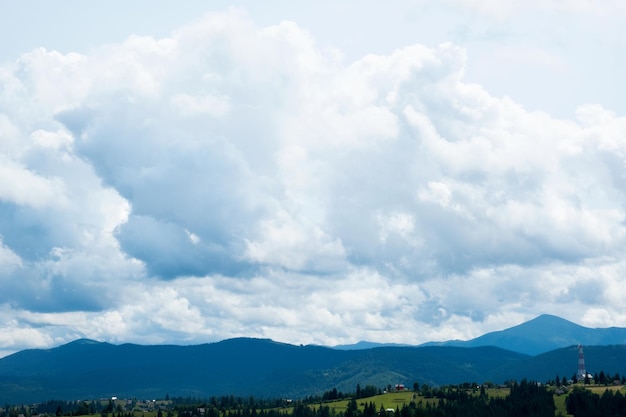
(539, 350)
(539, 335)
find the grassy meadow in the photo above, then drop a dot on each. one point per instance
(397, 399)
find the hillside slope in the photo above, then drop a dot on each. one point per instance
(88, 369)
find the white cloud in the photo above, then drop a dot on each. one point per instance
(209, 105)
(296, 245)
(26, 337)
(23, 187)
(233, 180)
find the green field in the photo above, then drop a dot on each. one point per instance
(388, 400)
(398, 399)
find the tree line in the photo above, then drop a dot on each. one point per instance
(584, 403)
(526, 399)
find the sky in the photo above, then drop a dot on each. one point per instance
(311, 172)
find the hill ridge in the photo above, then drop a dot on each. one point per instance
(266, 368)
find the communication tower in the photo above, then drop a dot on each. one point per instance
(582, 372)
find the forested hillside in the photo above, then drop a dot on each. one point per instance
(263, 368)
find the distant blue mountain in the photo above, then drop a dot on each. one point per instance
(543, 334)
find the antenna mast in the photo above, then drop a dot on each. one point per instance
(582, 372)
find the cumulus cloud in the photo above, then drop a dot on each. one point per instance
(234, 180)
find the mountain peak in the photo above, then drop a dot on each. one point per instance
(550, 319)
(544, 323)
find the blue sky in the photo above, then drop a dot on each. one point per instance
(313, 173)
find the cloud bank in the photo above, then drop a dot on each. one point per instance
(235, 180)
